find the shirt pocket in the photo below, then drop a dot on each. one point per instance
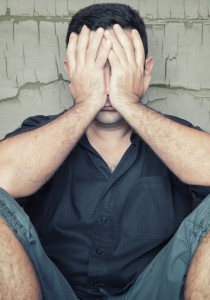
(149, 211)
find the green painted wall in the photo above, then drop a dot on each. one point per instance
(32, 49)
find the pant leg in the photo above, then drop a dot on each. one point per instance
(164, 277)
(53, 284)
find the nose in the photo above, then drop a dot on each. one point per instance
(107, 74)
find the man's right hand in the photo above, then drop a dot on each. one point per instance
(87, 54)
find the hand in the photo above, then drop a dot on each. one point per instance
(86, 57)
(128, 82)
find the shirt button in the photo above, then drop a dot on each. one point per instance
(103, 220)
(99, 251)
(95, 284)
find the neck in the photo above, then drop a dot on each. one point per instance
(110, 142)
(108, 135)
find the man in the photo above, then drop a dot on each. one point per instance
(106, 183)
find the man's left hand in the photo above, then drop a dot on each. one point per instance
(128, 83)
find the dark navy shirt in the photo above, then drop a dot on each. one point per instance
(102, 229)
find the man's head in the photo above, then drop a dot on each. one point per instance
(106, 15)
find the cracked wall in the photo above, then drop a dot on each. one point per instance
(32, 49)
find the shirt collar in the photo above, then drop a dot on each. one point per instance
(135, 140)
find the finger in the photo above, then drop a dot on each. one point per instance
(82, 45)
(71, 52)
(91, 37)
(139, 48)
(125, 43)
(103, 53)
(94, 44)
(119, 51)
(113, 60)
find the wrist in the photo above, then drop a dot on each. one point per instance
(127, 107)
(89, 105)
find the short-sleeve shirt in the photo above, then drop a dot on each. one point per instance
(102, 229)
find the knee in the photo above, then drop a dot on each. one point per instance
(197, 286)
(18, 279)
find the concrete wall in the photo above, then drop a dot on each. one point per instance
(32, 49)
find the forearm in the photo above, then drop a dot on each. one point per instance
(28, 160)
(184, 150)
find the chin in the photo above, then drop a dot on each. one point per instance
(108, 118)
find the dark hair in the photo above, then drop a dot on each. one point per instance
(106, 15)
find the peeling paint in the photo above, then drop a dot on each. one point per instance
(178, 40)
(6, 65)
(32, 86)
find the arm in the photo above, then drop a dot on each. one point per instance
(28, 160)
(184, 150)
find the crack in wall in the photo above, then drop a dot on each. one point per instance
(33, 86)
(56, 63)
(203, 93)
(34, 8)
(54, 19)
(157, 100)
(59, 16)
(6, 65)
(66, 18)
(166, 63)
(35, 75)
(41, 95)
(202, 35)
(24, 59)
(184, 7)
(38, 26)
(13, 32)
(59, 51)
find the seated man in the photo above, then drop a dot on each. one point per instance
(107, 183)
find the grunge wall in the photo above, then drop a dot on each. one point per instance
(32, 49)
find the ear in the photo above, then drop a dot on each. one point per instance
(66, 67)
(147, 73)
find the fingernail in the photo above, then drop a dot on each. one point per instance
(84, 27)
(99, 30)
(107, 32)
(135, 31)
(73, 34)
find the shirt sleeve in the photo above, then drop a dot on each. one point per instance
(197, 192)
(32, 123)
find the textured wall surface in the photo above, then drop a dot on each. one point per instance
(32, 49)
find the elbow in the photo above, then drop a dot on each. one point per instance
(197, 177)
(5, 183)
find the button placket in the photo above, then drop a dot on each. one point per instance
(99, 251)
(104, 219)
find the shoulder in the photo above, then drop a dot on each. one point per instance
(181, 121)
(33, 122)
